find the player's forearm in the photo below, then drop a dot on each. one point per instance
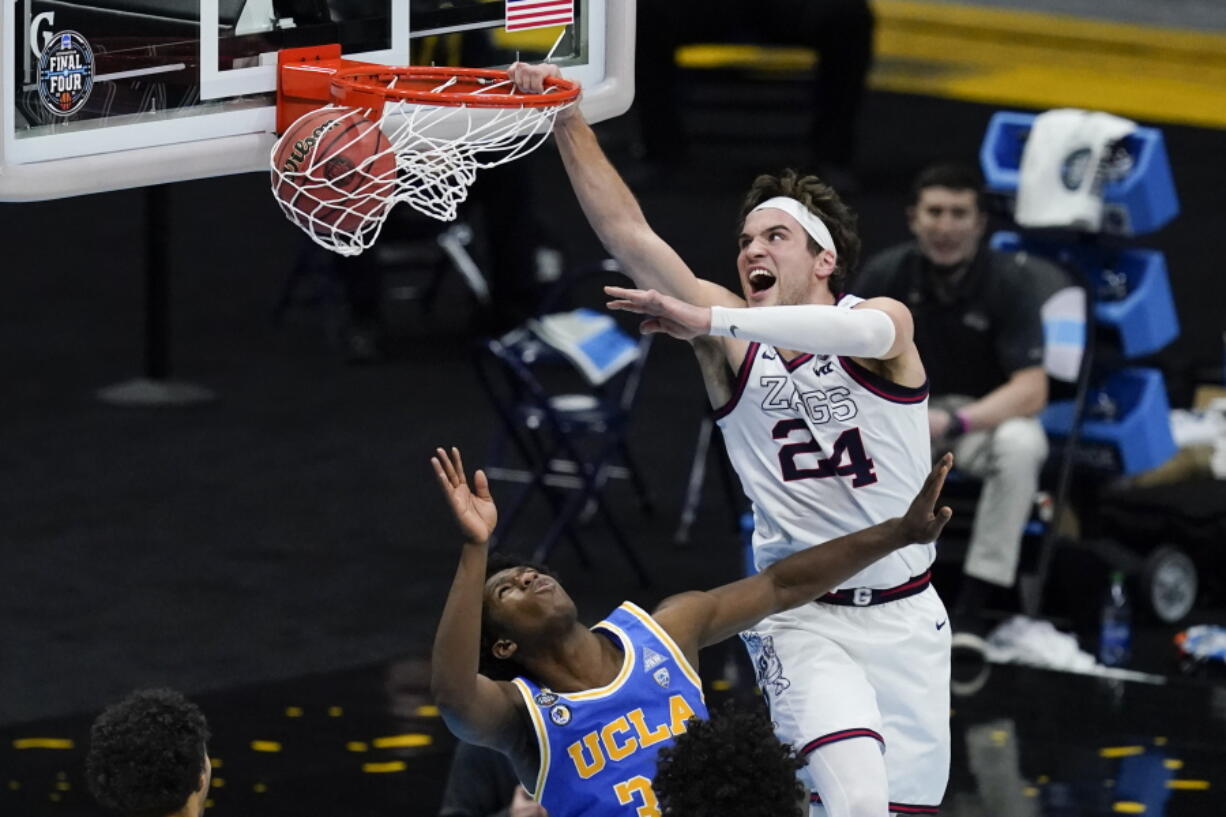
(1023, 395)
(817, 570)
(457, 642)
(815, 328)
(607, 202)
(614, 213)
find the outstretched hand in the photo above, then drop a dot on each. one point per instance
(474, 510)
(923, 521)
(666, 314)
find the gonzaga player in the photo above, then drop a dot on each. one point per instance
(822, 398)
(588, 710)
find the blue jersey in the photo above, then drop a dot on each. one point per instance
(598, 747)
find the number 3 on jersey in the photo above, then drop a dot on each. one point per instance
(847, 447)
(640, 786)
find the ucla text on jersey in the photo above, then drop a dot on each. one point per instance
(598, 747)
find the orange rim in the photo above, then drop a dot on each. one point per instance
(416, 84)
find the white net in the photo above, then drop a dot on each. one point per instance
(337, 173)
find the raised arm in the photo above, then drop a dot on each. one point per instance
(475, 708)
(879, 329)
(698, 619)
(613, 211)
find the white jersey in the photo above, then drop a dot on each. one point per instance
(824, 448)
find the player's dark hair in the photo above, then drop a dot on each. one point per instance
(729, 766)
(501, 669)
(147, 753)
(952, 175)
(825, 203)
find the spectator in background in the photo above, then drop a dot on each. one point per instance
(481, 783)
(148, 756)
(979, 331)
(840, 30)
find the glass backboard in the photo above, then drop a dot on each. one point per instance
(107, 94)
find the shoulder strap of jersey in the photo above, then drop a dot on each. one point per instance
(661, 636)
(530, 691)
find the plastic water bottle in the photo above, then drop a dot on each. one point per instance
(1115, 637)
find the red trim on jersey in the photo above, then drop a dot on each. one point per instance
(896, 808)
(913, 586)
(911, 808)
(835, 737)
(881, 387)
(796, 362)
(742, 377)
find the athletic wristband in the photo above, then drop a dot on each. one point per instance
(958, 424)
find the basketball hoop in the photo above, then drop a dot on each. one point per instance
(412, 134)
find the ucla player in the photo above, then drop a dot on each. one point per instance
(822, 399)
(590, 708)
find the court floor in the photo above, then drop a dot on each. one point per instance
(367, 742)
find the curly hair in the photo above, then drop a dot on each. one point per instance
(502, 669)
(147, 753)
(825, 203)
(729, 766)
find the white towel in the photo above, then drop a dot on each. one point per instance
(1060, 182)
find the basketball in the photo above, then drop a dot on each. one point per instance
(333, 171)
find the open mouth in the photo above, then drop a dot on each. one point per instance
(760, 280)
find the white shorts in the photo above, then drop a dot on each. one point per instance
(832, 673)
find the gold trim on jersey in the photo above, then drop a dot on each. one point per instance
(542, 738)
(628, 659)
(667, 640)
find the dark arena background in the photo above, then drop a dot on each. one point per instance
(280, 552)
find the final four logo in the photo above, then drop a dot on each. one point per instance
(65, 73)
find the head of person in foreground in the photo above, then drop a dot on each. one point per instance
(148, 756)
(731, 765)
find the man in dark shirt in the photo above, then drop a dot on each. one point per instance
(979, 331)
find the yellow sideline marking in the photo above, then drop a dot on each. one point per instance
(1023, 58)
(402, 741)
(1128, 807)
(1173, 764)
(43, 743)
(1188, 785)
(383, 768)
(356, 746)
(335, 712)
(293, 712)
(266, 745)
(427, 711)
(1121, 751)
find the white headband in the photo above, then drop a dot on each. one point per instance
(812, 224)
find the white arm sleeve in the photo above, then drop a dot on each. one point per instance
(815, 328)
